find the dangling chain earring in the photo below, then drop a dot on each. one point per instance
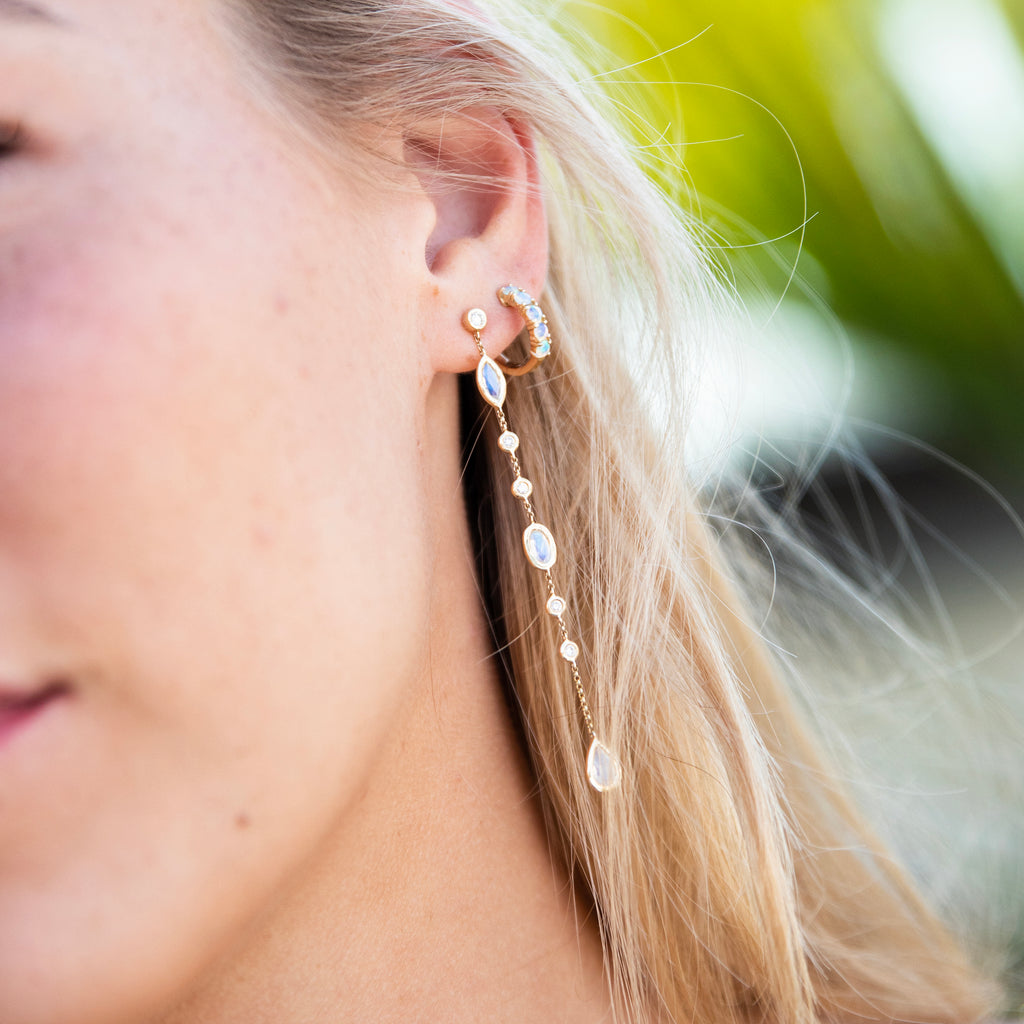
(603, 768)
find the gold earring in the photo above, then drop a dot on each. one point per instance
(603, 768)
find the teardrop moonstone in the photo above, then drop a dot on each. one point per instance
(603, 768)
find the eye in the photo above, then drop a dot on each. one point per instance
(11, 138)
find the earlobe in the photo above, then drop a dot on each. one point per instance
(479, 171)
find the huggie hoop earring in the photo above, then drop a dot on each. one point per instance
(537, 326)
(603, 768)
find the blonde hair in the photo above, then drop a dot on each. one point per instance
(731, 877)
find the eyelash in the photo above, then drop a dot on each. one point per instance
(10, 139)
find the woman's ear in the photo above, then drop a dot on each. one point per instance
(479, 171)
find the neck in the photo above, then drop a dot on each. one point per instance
(436, 896)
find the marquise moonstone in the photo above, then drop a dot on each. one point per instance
(539, 545)
(603, 768)
(491, 382)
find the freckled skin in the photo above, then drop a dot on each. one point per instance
(196, 524)
(284, 785)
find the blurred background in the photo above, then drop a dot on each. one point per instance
(859, 166)
(883, 141)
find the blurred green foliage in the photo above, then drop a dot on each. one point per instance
(911, 251)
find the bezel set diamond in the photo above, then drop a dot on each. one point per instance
(475, 320)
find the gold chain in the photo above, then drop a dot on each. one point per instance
(604, 770)
(552, 591)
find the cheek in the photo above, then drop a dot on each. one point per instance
(174, 414)
(196, 523)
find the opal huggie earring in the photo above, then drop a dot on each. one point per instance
(603, 768)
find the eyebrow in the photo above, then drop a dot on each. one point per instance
(26, 10)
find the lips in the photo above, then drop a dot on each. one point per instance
(19, 707)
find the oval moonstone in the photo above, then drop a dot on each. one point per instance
(539, 545)
(491, 381)
(603, 768)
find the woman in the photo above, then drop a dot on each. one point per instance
(258, 549)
